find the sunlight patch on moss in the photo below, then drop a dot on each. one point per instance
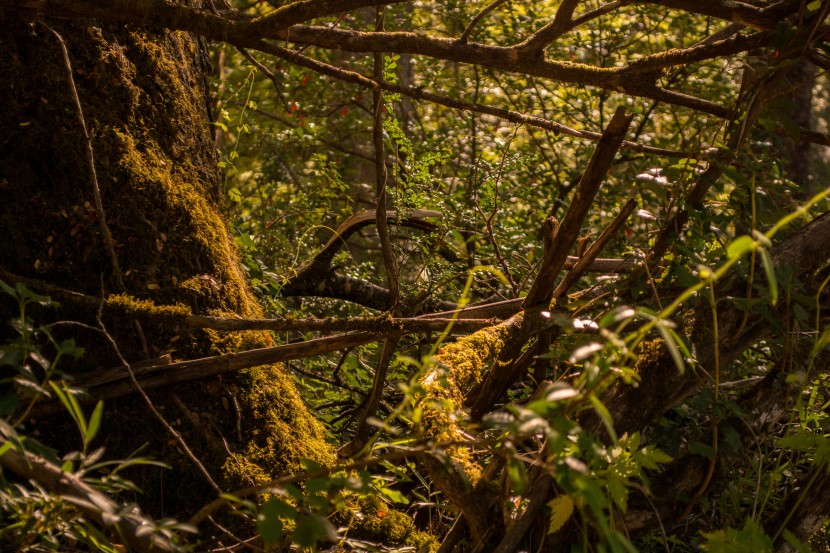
(455, 368)
(278, 436)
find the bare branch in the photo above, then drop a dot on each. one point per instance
(541, 290)
(478, 17)
(418, 93)
(737, 12)
(536, 42)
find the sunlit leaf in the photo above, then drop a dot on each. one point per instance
(562, 508)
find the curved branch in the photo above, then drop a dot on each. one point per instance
(316, 278)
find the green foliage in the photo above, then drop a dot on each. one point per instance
(35, 517)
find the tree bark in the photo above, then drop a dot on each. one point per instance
(144, 99)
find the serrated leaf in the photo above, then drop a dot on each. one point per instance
(562, 508)
(651, 457)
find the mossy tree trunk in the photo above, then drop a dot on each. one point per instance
(145, 100)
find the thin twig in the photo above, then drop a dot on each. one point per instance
(373, 400)
(553, 30)
(594, 249)
(170, 430)
(418, 93)
(389, 262)
(478, 17)
(90, 158)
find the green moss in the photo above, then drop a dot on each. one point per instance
(650, 352)
(277, 437)
(138, 308)
(456, 367)
(372, 519)
(377, 522)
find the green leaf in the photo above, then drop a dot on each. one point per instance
(313, 528)
(393, 495)
(517, 473)
(651, 457)
(270, 529)
(94, 422)
(317, 485)
(668, 339)
(739, 247)
(769, 270)
(605, 416)
(562, 508)
(750, 538)
(71, 405)
(8, 289)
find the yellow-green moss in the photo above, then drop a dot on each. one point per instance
(280, 429)
(139, 308)
(374, 520)
(455, 368)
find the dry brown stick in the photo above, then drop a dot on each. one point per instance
(378, 324)
(373, 400)
(128, 525)
(112, 383)
(542, 288)
(594, 249)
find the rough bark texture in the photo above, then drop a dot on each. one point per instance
(144, 98)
